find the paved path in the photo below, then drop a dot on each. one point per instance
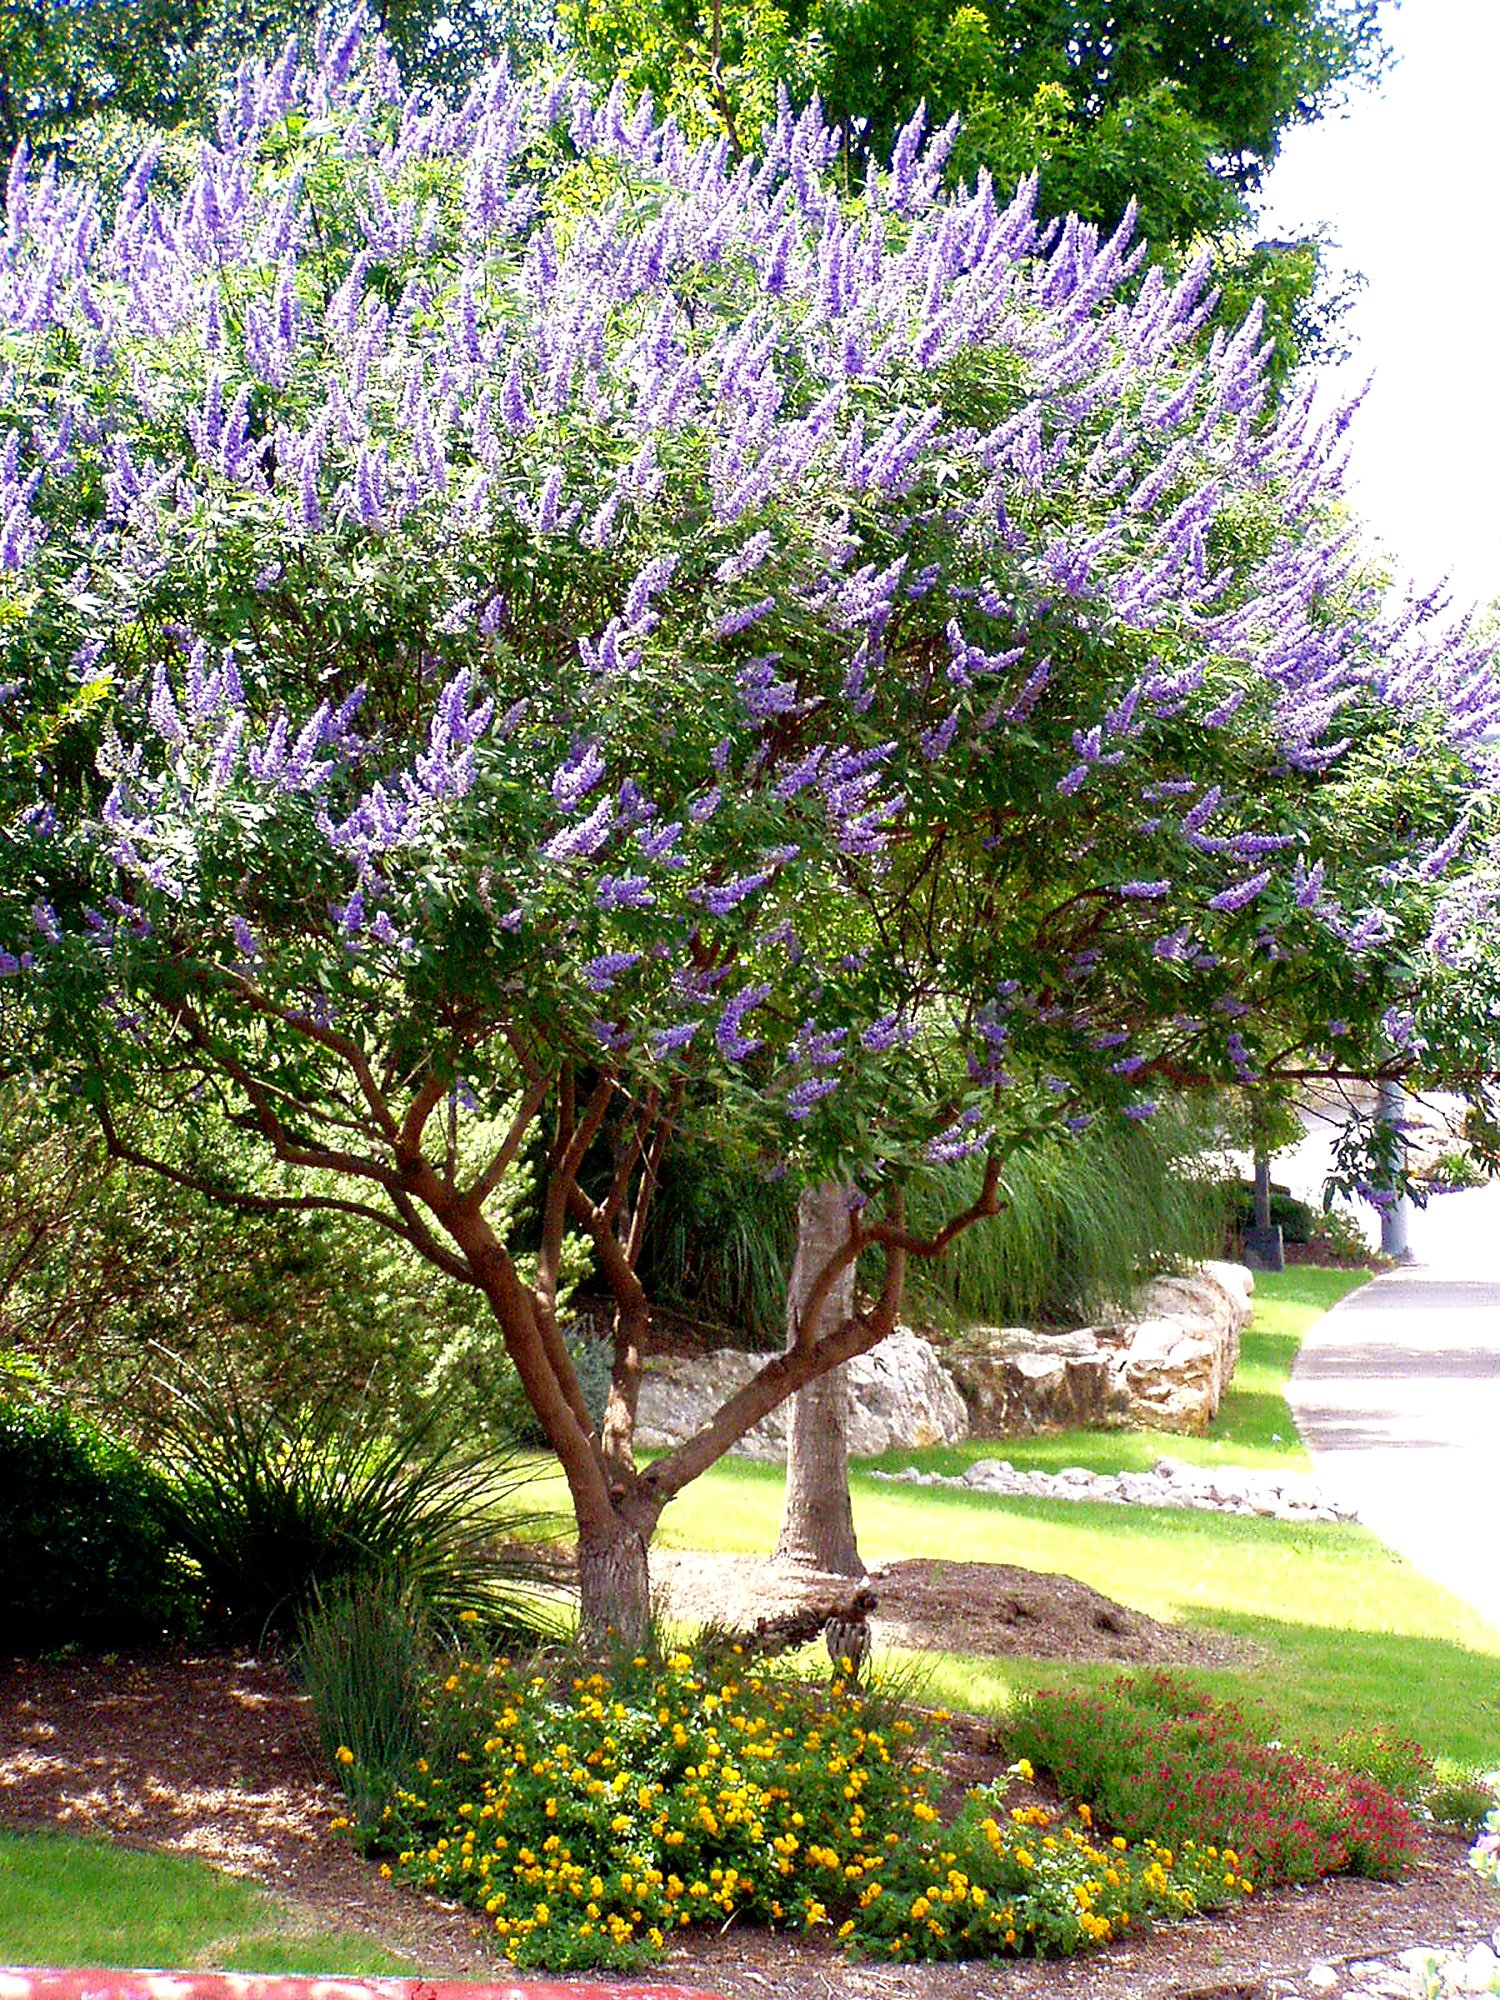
(1397, 1395)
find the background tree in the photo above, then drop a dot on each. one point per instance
(1170, 106)
(596, 640)
(86, 76)
(109, 1278)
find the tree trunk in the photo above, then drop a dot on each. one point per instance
(1263, 1190)
(817, 1521)
(614, 1594)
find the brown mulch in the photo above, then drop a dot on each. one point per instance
(214, 1755)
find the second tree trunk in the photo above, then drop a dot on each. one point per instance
(817, 1522)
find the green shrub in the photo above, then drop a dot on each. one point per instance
(1398, 1763)
(1464, 1802)
(1455, 1169)
(1154, 1756)
(86, 1556)
(276, 1509)
(1337, 1238)
(1297, 1220)
(588, 1817)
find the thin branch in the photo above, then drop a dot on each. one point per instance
(630, 1154)
(893, 1236)
(328, 1038)
(274, 1204)
(562, 1175)
(799, 1364)
(520, 1125)
(287, 1148)
(651, 1175)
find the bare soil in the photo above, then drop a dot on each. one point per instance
(214, 1755)
(990, 1609)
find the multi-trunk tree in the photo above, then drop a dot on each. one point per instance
(522, 636)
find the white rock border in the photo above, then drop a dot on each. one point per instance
(1170, 1483)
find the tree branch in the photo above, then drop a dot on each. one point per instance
(784, 1374)
(520, 1125)
(272, 1204)
(893, 1236)
(407, 1141)
(823, 1284)
(328, 1038)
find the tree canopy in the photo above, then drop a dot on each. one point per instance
(522, 634)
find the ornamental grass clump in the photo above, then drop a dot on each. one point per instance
(589, 1817)
(278, 1509)
(1156, 1756)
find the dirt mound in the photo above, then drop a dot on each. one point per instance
(969, 1607)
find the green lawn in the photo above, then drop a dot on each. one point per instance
(1346, 1630)
(66, 1901)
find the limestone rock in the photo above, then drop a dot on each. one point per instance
(1166, 1366)
(900, 1397)
(1014, 1380)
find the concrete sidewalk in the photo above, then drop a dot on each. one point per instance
(1397, 1396)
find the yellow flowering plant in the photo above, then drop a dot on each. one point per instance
(588, 1816)
(1027, 1878)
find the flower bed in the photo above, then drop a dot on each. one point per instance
(588, 1817)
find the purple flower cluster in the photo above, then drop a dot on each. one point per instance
(997, 640)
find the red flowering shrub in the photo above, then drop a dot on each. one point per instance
(1156, 1757)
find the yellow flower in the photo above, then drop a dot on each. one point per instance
(344, 1754)
(1022, 1769)
(468, 1617)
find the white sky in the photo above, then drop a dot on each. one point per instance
(1407, 183)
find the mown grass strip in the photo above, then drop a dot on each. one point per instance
(74, 1901)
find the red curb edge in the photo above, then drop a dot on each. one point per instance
(47, 1982)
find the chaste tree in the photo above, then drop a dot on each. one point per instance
(522, 636)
